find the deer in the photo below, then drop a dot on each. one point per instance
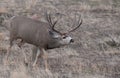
(43, 35)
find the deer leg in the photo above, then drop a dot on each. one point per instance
(25, 57)
(36, 58)
(20, 46)
(34, 52)
(20, 43)
(9, 48)
(45, 59)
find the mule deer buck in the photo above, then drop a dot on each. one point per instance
(41, 34)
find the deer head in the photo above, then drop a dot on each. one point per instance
(59, 37)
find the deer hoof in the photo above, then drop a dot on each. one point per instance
(6, 62)
(26, 63)
(48, 72)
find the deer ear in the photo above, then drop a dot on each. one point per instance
(53, 34)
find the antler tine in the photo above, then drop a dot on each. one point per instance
(46, 16)
(53, 27)
(48, 19)
(55, 23)
(79, 24)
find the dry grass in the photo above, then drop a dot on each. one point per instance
(95, 53)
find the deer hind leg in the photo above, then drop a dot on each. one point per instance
(20, 43)
(20, 46)
(8, 49)
(25, 57)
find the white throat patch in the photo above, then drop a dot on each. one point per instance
(66, 40)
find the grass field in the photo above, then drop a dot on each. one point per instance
(94, 54)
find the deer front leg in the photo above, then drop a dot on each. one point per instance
(34, 52)
(36, 58)
(45, 59)
(42, 53)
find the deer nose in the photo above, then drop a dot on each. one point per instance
(71, 40)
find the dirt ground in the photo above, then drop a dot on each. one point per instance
(94, 54)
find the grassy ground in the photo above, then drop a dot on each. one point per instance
(95, 53)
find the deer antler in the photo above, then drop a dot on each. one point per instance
(79, 24)
(49, 20)
(52, 25)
